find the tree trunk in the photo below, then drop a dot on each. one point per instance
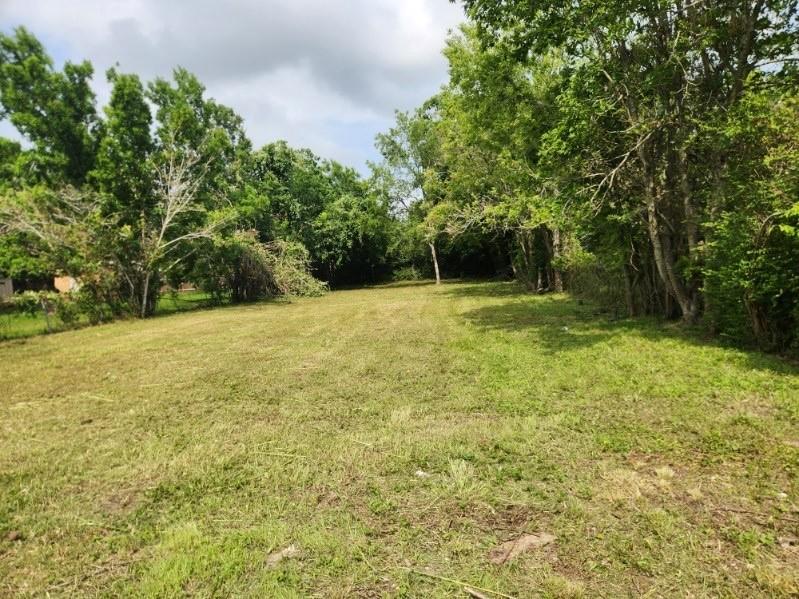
(629, 297)
(435, 262)
(557, 283)
(144, 298)
(46, 310)
(661, 246)
(714, 206)
(691, 218)
(544, 260)
(527, 275)
(664, 260)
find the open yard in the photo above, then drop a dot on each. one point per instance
(378, 442)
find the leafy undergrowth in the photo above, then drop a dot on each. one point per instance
(356, 444)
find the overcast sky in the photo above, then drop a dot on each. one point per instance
(321, 74)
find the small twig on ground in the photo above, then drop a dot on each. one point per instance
(474, 593)
(366, 561)
(466, 586)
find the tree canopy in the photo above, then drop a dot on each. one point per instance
(148, 190)
(636, 152)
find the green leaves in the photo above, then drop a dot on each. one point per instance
(123, 169)
(54, 110)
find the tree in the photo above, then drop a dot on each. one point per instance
(293, 195)
(180, 218)
(166, 191)
(65, 231)
(9, 155)
(351, 238)
(290, 188)
(434, 226)
(188, 121)
(54, 110)
(494, 115)
(411, 154)
(751, 283)
(123, 169)
(662, 68)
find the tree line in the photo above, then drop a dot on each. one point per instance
(643, 153)
(163, 186)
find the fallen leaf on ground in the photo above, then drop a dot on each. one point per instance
(511, 549)
(278, 556)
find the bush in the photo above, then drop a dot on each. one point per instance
(235, 267)
(99, 304)
(752, 282)
(407, 273)
(32, 303)
(65, 306)
(68, 308)
(587, 277)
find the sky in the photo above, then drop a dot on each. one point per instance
(321, 74)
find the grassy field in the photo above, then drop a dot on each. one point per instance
(376, 442)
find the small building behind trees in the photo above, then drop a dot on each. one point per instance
(65, 284)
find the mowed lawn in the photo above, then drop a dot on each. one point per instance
(378, 442)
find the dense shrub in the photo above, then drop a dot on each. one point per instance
(588, 278)
(752, 282)
(235, 268)
(751, 255)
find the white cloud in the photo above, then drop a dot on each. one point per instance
(304, 70)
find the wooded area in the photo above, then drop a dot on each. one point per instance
(643, 155)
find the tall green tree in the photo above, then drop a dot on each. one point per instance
(123, 170)
(495, 113)
(411, 166)
(54, 110)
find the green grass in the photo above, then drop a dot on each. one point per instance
(15, 325)
(174, 456)
(182, 301)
